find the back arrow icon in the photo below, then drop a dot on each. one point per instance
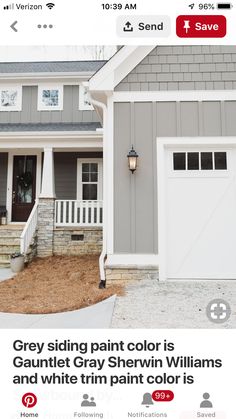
(13, 26)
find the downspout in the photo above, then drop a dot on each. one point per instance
(102, 257)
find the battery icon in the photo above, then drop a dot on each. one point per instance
(224, 6)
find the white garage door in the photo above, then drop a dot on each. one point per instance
(201, 213)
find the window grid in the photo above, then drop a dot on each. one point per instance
(89, 181)
(199, 161)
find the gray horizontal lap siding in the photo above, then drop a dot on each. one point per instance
(3, 178)
(30, 114)
(66, 173)
(184, 68)
(140, 124)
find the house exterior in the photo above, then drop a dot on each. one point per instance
(174, 217)
(50, 159)
(64, 170)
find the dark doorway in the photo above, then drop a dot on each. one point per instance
(24, 187)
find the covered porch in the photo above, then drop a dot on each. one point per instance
(49, 183)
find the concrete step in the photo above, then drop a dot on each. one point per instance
(10, 233)
(5, 256)
(9, 241)
(9, 249)
(4, 263)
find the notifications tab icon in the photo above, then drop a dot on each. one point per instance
(207, 26)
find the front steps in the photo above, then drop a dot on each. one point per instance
(9, 242)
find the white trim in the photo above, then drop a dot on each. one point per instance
(41, 105)
(22, 152)
(52, 134)
(18, 106)
(162, 145)
(64, 143)
(127, 260)
(48, 174)
(83, 90)
(175, 96)
(100, 177)
(103, 107)
(117, 68)
(110, 178)
(34, 78)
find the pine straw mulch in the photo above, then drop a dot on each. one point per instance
(55, 284)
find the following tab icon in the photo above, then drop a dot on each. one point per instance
(202, 26)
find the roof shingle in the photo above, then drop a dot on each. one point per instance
(82, 126)
(51, 67)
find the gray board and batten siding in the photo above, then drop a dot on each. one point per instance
(65, 165)
(3, 178)
(184, 68)
(30, 114)
(140, 124)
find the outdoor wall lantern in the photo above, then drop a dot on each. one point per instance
(132, 160)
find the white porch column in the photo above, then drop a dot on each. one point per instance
(48, 181)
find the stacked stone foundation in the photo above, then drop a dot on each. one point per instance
(46, 212)
(89, 241)
(125, 273)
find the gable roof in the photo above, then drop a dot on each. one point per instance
(117, 68)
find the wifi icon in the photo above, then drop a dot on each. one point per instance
(50, 5)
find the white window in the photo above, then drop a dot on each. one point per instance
(50, 97)
(10, 98)
(89, 180)
(84, 103)
(199, 161)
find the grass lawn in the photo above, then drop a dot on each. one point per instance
(55, 284)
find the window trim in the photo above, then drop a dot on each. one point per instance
(48, 86)
(18, 106)
(99, 161)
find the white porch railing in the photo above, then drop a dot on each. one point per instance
(29, 230)
(78, 213)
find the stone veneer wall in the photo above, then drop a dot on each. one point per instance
(33, 249)
(64, 245)
(131, 273)
(46, 212)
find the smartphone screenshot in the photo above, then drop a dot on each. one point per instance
(117, 209)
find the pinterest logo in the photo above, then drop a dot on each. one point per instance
(29, 400)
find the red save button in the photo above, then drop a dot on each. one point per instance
(193, 26)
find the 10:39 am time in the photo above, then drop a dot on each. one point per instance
(119, 6)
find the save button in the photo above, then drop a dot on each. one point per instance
(194, 26)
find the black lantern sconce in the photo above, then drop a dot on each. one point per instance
(132, 160)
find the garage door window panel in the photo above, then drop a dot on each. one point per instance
(220, 161)
(199, 161)
(179, 161)
(206, 161)
(193, 161)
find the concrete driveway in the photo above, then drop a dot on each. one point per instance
(172, 304)
(97, 316)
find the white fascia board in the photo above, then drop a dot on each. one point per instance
(121, 64)
(44, 76)
(54, 143)
(55, 140)
(50, 134)
(175, 96)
